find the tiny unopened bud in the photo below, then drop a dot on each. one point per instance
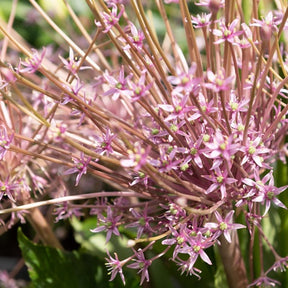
(181, 201)
(215, 5)
(130, 243)
(266, 33)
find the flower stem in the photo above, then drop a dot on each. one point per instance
(43, 229)
(232, 260)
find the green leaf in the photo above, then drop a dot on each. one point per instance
(50, 267)
(281, 179)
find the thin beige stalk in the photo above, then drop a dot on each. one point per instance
(34, 205)
(191, 38)
(77, 21)
(170, 33)
(43, 229)
(9, 26)
(64, 36)
(150, 37)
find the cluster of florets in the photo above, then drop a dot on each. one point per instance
(202, 144)
(194, 142)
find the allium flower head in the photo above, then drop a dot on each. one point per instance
(118, 86)
(143, 222)
(137, 37)
(137, 158)
(254, 151)
(268, 25)
(110, 19)
(224, 225)
(202, 20)
(140, 88)
(104, 143)
(185, 82)
(114, 267)
(110, 224)
(227, 33)
(5, 141)
(220, 181)
(80, 167)
(218, 82)
(266, 193)
(196, 248)
(186, 131)
(213, 5)
(66, 211)
(32, 63)
(142, 264)
(73, 63)
(6, 281)
(8, 188)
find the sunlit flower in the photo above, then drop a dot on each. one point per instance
(110, 223)
(80, 167)
(73, 63)
(142, 264)
(110, 19)
(32, 63)
(5, 141)
(227, 33)
(225, 225)
(114, 267)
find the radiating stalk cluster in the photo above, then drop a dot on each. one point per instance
(187, 134)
